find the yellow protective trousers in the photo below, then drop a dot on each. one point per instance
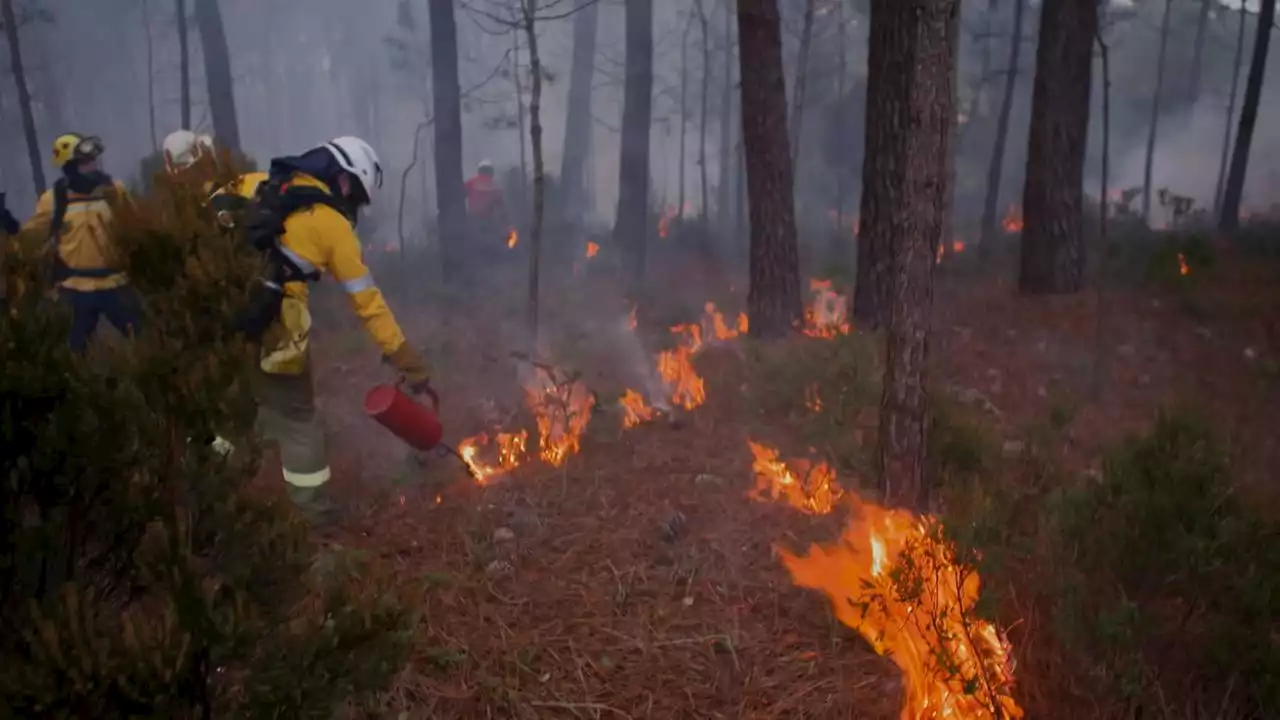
(287, 416)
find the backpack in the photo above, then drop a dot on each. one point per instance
(59, 270)
(264, 217)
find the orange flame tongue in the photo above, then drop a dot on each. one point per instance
(592, 249)
(635, 409)
(511, 450)
(815, 494)
(562, 410)
(512, 238)
(1012, 221)
(828, 315)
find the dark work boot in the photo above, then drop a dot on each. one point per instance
(315, 505)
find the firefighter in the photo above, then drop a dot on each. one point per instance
(182, 148)
(486, 211)
(82, 253)
(346, 175)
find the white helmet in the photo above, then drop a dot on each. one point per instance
(180, 149)
(206, 142)
(485, 165)
(356, 157)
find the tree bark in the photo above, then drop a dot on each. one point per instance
(1231, 113)
(1197, 54)
(184, 63)
(217, 74)
(447, 114)
(1052, 248)
(1154, 121)
(724, 185)
(802, 69)
(911, 106)
(631, 224)
(24, 96)
(773, 298)
(684, 116)
(841, 71)
(151, 76)
(995, 170)
(702, 124)
(539, 174)
(515, 79)
(1233, 192)
(577, 129)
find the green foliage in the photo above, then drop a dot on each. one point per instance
(142, 573)
(1173, 561)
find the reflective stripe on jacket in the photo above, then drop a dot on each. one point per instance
(86, 243)
(321, 239)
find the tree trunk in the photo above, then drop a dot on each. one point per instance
(724, 185)
(841, 72)
(684, 116)
(515, 78)
(24, 96)
(1100, 318)
(702, 123)
(802, 69)
(1233, 193)
(1197, 54)
(773, 297)
(151, 77)
(911, 105)
(995, 170)
(631, 224)
(1154, 122)
(1053, 250)
(217, 74)
(577, 129)
(539, 175)
(1231, 112)
(451, 203)
(184, 62)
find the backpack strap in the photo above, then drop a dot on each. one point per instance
(275, 200)
(60, 190)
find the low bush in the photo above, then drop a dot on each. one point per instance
(143, 573)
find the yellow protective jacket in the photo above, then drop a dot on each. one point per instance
(319, 239)
(86, 242)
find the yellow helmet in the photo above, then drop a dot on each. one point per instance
(70, 146)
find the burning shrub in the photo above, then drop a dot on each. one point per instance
(142, 576)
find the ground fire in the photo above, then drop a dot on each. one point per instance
(512, 238)
(1012, 222)
(893, 579)
(828, 313)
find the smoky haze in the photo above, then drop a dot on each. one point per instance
(304, 72)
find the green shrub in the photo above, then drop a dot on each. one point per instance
(143, 574)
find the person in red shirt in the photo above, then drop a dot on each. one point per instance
(486, 212)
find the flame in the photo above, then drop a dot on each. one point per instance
(631, 317)
(816, 494)
(562, 409)
(511, 451)
(675, 367)
(592, 249)
(717, 327)
(1012, 220)
(942, 250)
(1182, 265)
(957, 246)
(743, 324)
(635, 409)
(512, 237)
(828, 314)
(664, 222)
(894, 579)
(812, 399)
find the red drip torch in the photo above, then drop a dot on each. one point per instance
(412, 422)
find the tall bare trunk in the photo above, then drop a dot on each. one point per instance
(1104, 192)
(1052, 247)
(1231, 112)
(911, 105)
(515, 78)
(217, 74)
(802, 72)
(1233, 193)
(447, 113)
(539, 175)
(577, 128)
(684, 115)
(841, 72)
(184, 62)
(24, 95)
(151, 76)
(995, 169)
(702, 122)
(1197, 56)
(1154, 122)
(631, 224)
(724, 187)
(773, 298)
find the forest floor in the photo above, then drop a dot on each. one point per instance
(640, 579)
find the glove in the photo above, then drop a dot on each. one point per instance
(417, 376)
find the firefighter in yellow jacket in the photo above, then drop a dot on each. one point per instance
(82, 250)
(318, 239)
